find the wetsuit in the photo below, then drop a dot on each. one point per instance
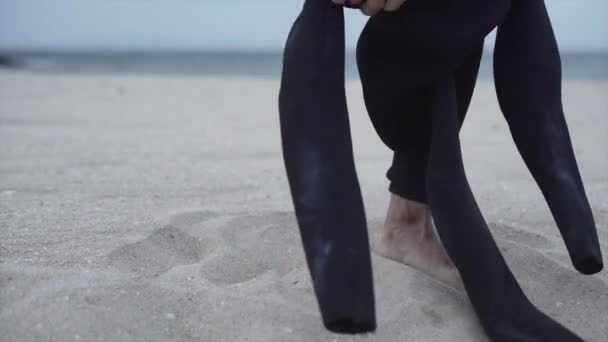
(418, 67)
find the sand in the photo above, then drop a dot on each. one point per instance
(155, 208)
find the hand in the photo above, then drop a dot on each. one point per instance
(372, 7)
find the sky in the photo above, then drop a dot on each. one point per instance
(580, 25)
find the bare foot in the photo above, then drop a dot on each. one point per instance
(408, 237)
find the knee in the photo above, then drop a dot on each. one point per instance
(371, 74)
(364, 52)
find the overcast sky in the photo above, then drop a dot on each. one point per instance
(218, 24)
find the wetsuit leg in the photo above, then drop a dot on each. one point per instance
(407, 174)
(433, 38)
(527, 72)
(502, 307)
(504, 310)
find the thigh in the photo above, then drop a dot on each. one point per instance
(401, 55)
(430, 37)
(399, 111)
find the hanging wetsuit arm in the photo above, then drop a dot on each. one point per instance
(320, 167)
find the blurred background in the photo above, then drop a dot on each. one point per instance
(240, 37)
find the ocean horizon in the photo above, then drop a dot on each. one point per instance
(235, 64)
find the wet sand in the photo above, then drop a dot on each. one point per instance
(149, 208)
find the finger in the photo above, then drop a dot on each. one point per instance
(372, 7)
(393, 5)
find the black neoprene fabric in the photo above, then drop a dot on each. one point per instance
(418, 67)
(408, 171)
(320, 167)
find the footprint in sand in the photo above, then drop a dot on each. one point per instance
(164, 249)
(253, 245)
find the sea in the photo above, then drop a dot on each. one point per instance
(235, 64)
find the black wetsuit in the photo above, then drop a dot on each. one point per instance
(418, 67)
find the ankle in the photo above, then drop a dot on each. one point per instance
(408, 213)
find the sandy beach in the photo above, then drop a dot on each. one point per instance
(156, 208)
